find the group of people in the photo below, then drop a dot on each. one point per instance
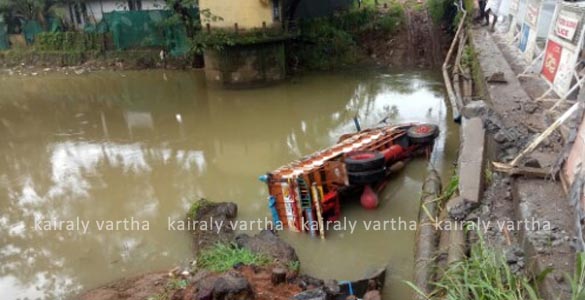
(487, 8)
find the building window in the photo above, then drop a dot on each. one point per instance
(276, 10)
(134, 4)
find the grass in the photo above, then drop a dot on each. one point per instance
(484, 275)
(452, 188)
(577, 281)
(192, 213)
(488, 174)
(222, 257)
(294, 266)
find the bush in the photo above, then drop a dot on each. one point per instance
(70, 41)
(330, 42)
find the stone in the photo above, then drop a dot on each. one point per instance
(232, 286)
(497, 77)
(475, 109)
(314, 294)
(208, 212)
(532, 163)
(529, 107)
(305, 281)
(513, 151)
(268, 243)
(459, 208)
(514, 255)
(332, 287)
(500, 137)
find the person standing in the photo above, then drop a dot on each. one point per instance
(482, 13)
(492, 8)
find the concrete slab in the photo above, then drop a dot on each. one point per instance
(507, 99)
(471, 159)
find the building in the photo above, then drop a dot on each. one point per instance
(80, 14)
(246, 13)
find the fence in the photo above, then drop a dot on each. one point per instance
(140, 29)
(4, 36)
(127, 30)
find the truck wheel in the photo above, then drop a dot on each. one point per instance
(366, 177)
(422, 134)
(361, 161)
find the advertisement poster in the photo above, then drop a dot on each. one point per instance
(565, 71)
(524, 37)
(552, 59)
(566, 25)
(532, 13)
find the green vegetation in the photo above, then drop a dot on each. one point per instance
(218, 39)
(30, 9)
(578, 279)
(327, 43)
(443, 11)
(172, 285)
(70, 41)
(196, 206)
(294, 266)
(469, 59)
(488, 174)
(452, 187)
(484, 275)
(222, 257)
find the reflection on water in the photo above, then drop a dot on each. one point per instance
(112, 147)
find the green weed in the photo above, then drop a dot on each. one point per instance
(484, 275)
(222, 257)
(577, 281)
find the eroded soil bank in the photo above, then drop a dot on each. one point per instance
(276, 278)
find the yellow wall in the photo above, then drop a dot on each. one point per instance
(247, 13)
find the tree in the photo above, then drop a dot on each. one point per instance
(290, 9)
(30, 9)
(183, 11)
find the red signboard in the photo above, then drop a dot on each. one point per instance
(552, 58)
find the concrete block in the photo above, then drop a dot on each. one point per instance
(471, 159)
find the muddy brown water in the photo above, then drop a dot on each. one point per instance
(139, 147)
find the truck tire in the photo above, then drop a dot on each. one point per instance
(423, 134)
(366, 177)
(362, 161)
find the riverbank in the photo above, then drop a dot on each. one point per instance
(230, 266)
(383, 35)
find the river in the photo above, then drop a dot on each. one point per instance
(140, 147)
